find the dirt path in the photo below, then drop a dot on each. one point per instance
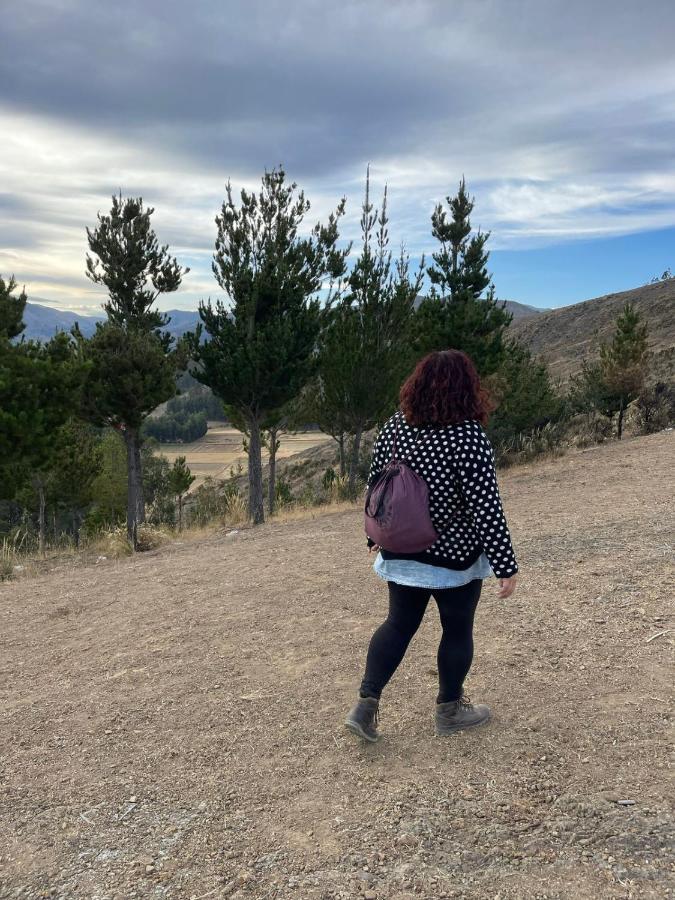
(172, 724)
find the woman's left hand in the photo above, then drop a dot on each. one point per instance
(506, 587)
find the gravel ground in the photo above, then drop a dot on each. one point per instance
(172, 723)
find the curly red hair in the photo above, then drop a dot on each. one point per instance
(444, 389)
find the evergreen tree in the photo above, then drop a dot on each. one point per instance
(460, 270)
(526, 397)
(11, 309)
(133, 366)
(157, 490)
(39, 386)
(260, 351)
(180, 480)
(617, 378)
(365, 349)
(461, 310)
(77, 462)
(109, 489)
(62, 484)
(132, 265)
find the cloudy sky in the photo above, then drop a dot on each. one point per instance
(561, 116)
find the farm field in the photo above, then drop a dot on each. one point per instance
(221, 448)
(171, 724)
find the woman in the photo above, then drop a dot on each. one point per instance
(440, 435)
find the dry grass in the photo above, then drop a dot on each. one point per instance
(299, 513)
(7, 559)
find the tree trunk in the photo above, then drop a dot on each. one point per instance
(140, 499)
(619, 426)
(256, 508)
(273, 469)
(39, 484)
(341, 451)
(180, 512)
(135, 504)
(354, 461)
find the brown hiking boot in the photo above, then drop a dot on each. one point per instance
(362, 718)
(459, 714)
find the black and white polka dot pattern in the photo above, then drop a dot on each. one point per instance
(458, 464)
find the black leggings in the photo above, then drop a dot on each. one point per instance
(407, 606)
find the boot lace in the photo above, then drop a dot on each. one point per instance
(465, 702)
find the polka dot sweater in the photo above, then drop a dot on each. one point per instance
(457, 463)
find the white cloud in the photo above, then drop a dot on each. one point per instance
(560, 115)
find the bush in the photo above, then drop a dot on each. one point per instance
(588, 428)
(524, 447)
(150, 537)
(207, 503)
(655, 408)
(282, 492)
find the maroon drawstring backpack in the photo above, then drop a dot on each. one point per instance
(397, 514)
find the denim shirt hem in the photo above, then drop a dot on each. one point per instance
(414, 574)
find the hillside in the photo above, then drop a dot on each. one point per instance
(564, 337)
(171, 724)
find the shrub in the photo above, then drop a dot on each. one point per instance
(282, 492)
(655, 408)
(150, 537)
(587, 428)
(527, 446)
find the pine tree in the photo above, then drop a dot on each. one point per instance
(11, 309)
(260, 350)
(460, 270)
(39, 386)
(365, 349)
(70, 473)
(461, 310)
(624, 361)
(180, 479)
(109, 489)
(132, 364)
(617, 377)
(526, 397)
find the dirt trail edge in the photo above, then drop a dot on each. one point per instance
(172, 723)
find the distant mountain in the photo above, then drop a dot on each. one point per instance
(523, 310)
(519, 310)
(42, 322)
(564, 337)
